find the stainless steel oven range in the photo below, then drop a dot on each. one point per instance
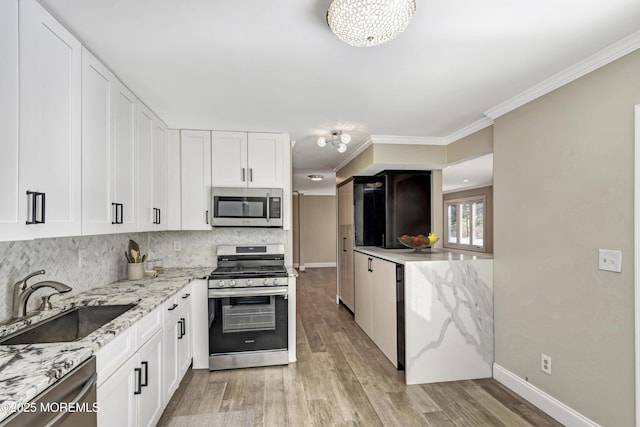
(248, 307)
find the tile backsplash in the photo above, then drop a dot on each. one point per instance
(105, 256)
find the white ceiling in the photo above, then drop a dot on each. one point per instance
(275, 66)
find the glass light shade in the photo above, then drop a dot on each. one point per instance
(367, 23)
(342, 148)
(322, 141)
(345, 138)
(315, 177)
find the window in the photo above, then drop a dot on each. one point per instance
(465, 223)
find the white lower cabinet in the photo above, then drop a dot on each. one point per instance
(132, 396)
(139, 370)
(375, 302)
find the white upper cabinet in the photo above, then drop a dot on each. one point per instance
(159, 180)
(147, 214)
(97, 139)
(151, 141)
(123, 155)
(195, 156)
(50, 113)
(264, 159)
(229, 159)
(11, 226)
(108, 151)
(241, 159)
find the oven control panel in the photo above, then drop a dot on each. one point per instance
(248, 283)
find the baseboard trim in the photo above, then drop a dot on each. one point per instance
(319, 264)
(548, 404)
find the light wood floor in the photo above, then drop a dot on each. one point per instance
(341, 378)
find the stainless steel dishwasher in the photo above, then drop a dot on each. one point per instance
(70, 402)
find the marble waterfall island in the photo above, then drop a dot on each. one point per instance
(448, 314)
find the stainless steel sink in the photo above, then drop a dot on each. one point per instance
(68, 326)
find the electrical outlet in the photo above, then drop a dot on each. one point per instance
(177, 245)
(610, 260)
(545, 363)
(82, 258)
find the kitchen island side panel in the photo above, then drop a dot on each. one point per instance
(449, 320)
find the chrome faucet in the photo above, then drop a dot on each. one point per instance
(22, 292)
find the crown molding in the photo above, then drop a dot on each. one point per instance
(593, 62)
(483, 123)
(353, 154)
(408, 140)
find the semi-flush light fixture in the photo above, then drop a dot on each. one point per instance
(338, 140)
(315, 177)
(367, 23)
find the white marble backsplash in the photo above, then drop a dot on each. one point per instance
(105, 256)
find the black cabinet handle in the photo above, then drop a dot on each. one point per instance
(344, 244)
(185, 296)
(206, 216)
(146, 375)
(173, 307)
(183, 326)
(369, 266)
(250, 174)
(159, 216)
(34, 196)
(138, 381)
(118, 213)
(180, 329)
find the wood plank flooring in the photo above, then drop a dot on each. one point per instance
(341, 378)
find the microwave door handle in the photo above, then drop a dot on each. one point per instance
(268, 206)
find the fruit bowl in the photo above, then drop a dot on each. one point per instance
(418, 242)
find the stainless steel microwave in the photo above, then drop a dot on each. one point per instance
(247, 207)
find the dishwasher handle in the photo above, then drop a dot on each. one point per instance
(82, 394)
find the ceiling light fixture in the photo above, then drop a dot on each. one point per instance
(338, 140)
(315, 177)
(367, 23)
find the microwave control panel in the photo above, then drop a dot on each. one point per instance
(274, 209)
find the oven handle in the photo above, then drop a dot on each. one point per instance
(247, 292)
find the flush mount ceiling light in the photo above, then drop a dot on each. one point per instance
(315, 177)
(338, 140)
(367, 23)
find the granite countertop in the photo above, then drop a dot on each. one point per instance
(403, 256)
(28, 370)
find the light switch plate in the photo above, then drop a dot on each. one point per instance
(610, 260)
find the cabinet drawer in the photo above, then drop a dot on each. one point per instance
(110, 357)
(149, 325)
(172, 308)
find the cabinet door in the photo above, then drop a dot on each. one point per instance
(123, 168)
(97, 213)
(229, 159)
(345, 245)
(159, 174)
(185, 350)
(196, 179)
(174, 181)
(363, 293)
(117, 399)
(151, 402)
(170, 360)
(144, 172)
(11, 226)
(384, 308)
(264, 160)
(50, 127)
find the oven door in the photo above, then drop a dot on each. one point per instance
(254, 207)
(248, 319)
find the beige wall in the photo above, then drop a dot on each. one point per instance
(354, 167)
(409, 155)
(475, 145)
(563, 187)
(317, 230)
